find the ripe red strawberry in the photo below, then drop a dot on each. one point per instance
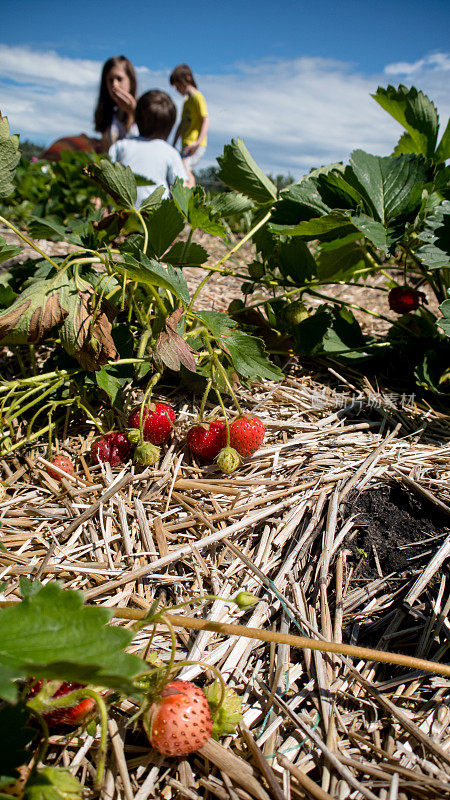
(207, 439)
(403, 299)
(180, 721)
(114, 447)
(246, 435)
(75, 715)
(158, 422)
(63, 462)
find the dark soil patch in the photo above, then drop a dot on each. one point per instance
(395, 524)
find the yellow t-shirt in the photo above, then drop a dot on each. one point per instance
(194, 110)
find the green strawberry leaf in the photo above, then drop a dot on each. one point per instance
(299, 202)
(153, 200)
(117, 180)
(387, 183)
(336, 224)
(443, 148)
(444, 321)
(50, 783)
(164, 226)
(197, 213)
(240, 172)
(51, 226)
(9, 157)
(246, 352)
(218, 323)
(52, 635)
(226, 717)
(295, 260)
(415, 112)
(203, 217)
(227, 204)
(339, 259)
(181, 195)
(249, 358)
(7, 296)
(372, 230)
(7, 250)
(435, 254)
(180, 256)
(154, 273)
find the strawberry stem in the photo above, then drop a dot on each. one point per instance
(148, 393)
(225, 415)
(102, 750)
(217, 673)
(303, 642)
(204, 399)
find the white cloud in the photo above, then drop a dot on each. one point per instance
(435, 62)
(293, 114)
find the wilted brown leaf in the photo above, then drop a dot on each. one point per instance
(171, 348)
(87, 333)
(35, 312)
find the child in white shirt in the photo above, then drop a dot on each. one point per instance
(149, 154)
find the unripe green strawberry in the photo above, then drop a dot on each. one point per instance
(295, 313)
(256, 270)
(235, 307)
(147, 454)
(133, 435)
(228, 459)
(245, 600)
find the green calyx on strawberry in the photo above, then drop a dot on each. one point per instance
(64, 463)
(114, 448)
(403, 299)
(179, 721)
(147, 454)
(207, 438)
(228, 460)
(157, 422)
(227, 715)
(247, 434)
(73, 715)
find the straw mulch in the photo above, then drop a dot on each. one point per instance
(279, 527)
(284, 527)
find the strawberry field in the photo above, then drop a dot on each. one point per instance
(225, 477)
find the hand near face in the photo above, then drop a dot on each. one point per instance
(123, 99)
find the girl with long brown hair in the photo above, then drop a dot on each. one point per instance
(114, 114)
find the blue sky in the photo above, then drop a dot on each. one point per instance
(292, 78)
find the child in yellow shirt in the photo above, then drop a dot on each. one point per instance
(194, 118)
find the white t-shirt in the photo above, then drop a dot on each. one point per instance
(119, 131)
(152, 158)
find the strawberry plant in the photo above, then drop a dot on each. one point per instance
(386, 216)
(115, 311)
